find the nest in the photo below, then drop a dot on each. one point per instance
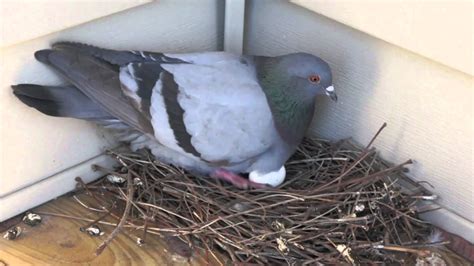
(340, 204)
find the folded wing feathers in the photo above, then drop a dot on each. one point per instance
(175, 113)
(99, 82)
(144, 77)
(119, 58)
(138, 83)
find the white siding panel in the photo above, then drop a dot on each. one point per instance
(23, 20)
(439, 30)
(428, 106)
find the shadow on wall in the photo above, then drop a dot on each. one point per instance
(220, 18)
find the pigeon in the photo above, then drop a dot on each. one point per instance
(218, 114)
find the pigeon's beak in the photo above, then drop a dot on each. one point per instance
(330, 92)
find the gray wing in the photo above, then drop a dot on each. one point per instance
(210, 108)
(95, 72)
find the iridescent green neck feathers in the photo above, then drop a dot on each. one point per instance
(292, 110)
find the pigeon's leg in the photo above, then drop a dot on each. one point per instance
(235, 179)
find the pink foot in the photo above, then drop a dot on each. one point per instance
(236, 180)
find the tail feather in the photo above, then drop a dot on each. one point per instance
(61, 101)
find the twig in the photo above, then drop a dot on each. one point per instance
(126, 212)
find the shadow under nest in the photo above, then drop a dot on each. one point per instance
(339, 204)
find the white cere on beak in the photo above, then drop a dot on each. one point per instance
(329, 89)
(330, 92)
(272, 178)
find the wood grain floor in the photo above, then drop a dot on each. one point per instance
(58, 241)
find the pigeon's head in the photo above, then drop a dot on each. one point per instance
(307, 74)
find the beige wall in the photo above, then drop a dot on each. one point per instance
(428, 106)
(49, 152)
(18, 16)
(439, 30)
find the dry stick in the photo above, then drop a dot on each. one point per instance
(90, 193)
(83, 228)
(60, 215)
(117, 229)
(381, 173)
(362, 156)
(145, 230)
(208, 249)
(365, 152)
(375, 136)
(402, 213)
(363, 180)
(88, 207)
(419, 252)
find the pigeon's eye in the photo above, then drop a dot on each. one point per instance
(314, 79)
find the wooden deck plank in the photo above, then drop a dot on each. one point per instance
(58, 241)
